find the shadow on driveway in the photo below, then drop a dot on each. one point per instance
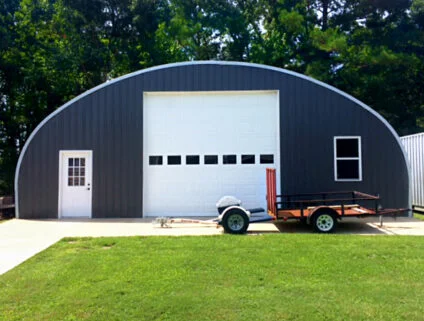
(345, 226)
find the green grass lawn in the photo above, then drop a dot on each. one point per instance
(419, 216)
(254, 277)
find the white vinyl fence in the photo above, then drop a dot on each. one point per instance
(414, 147)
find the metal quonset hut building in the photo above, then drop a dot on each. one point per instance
(173, 139)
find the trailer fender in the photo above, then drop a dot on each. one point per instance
(228, 209)
(321, 209)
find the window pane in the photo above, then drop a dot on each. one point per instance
(248, 159)
(76, 172)
(82, 161)
(76, 181)
(70, 162)
(347, 147)
(192, 159)
(267, 159)
(174, 160)
(82, 171)
(70, 171)
(70, 181)
(76, 161)
(229, 159)
(211, 159)
(348, 169)
(82, 181)
(155, 160)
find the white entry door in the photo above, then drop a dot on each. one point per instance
(75, 190)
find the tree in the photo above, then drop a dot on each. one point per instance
(205, 30)
(9, 129)
(53, 50)
(377, 59)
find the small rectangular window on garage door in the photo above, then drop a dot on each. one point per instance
(211, 159)
(347, 158)
(248, 159)
(192, 160)
(229, 159)
(155, 160)
(174, 160)
(266, 159)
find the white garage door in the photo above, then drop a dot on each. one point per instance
(200, 146)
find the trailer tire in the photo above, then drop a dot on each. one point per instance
(324, 222)
(235, 221)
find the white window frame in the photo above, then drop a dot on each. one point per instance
(359, 159)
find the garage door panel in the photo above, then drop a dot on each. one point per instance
(217, 124)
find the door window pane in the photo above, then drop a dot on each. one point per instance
(76, 172)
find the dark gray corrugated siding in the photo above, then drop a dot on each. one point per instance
(109, 121)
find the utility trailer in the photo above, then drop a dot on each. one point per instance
(322, 210)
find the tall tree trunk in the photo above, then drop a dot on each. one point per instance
(325, 5)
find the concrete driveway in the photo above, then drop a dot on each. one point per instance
(21, 239)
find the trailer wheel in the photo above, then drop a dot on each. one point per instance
(235, 222)
(324, 222)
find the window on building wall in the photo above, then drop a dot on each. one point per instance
(347, 158)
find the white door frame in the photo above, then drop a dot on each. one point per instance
(62, 154)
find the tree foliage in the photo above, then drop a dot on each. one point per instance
(53, 50)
